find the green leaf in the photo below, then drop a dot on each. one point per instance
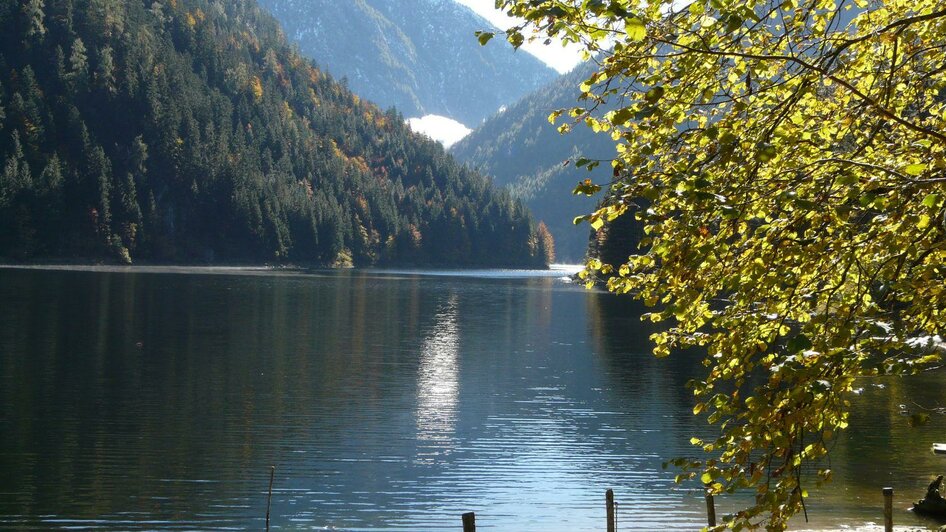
(924, 222)
(645, 112)
(587, 188)
(654, 94)
(484, 37)
(931, 201)
(727, 138)
(799, 343)
(595, 6)
(621, 116)
(767, 152)
(915, 169)
(515, 39)
(635, 29)
(867, 199)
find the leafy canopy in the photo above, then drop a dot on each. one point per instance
(787, 160)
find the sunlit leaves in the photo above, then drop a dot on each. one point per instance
(914, 169)
(484, 37)
(788, 172)
(636, 31)
(515, 39)
(586, 187)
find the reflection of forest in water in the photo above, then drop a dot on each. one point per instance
(398, 399)
(229, 375)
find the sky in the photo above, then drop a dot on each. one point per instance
(554, 55)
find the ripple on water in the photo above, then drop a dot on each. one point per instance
(137, 400)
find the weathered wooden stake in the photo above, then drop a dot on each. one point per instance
(609, 501)
(710, 509)
(469, 522)
(888, 509)
(269, 500)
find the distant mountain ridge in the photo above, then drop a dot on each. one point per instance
(420, 56)
(520, 149)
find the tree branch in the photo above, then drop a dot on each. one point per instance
(814, 68)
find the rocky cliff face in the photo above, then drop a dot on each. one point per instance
(420, 56)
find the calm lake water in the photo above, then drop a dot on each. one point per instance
(386, 400)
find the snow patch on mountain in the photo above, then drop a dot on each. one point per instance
(440, 128)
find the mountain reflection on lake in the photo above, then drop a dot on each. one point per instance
(158, 399)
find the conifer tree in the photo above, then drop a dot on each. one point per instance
(33, 11)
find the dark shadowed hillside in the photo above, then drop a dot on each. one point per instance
(189, 130)
(520, 149)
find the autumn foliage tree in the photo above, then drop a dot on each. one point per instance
(545, 243)
(787, 160)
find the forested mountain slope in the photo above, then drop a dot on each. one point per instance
(189, 130)
(420, 56)
(520, 149)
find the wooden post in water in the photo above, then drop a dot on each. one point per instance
(888, 509)
(469, 522)
(710, 509)
(609, 502)
(269, 500)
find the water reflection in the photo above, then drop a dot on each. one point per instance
(879, 449)
(144, 401)
(438, 385)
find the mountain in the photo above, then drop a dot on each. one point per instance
(521, 150)
(191, 131)
(420, 56)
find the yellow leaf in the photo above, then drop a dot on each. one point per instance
(915, 169)
(635, 29)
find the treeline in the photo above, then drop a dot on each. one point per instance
(189, 131)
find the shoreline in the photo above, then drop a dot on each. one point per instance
(93, 264)
(554, 270)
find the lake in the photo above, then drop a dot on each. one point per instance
(158, 398)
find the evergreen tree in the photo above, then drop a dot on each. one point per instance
(78, 65)
(105, 70)
(191, 131)
(33, 11)
(16, 171)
